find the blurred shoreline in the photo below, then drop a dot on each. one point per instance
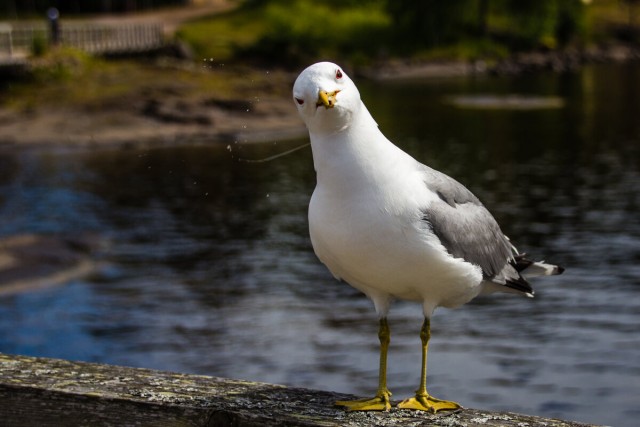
(161, 115)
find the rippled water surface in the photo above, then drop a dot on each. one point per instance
(208, 266)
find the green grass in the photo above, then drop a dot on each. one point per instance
(302, 30)
(218, 37)
(66, 78)
(288, 32)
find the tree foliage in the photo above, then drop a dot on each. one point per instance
(299, 30)
(529, 23)
(430, 22)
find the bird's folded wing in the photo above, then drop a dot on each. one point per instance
(464, 226)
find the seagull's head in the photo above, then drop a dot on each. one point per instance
(326, 98)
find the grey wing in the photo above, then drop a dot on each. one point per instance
(468, 231)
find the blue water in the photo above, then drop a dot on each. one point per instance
(207, 265)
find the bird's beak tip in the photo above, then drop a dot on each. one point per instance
(327, 99)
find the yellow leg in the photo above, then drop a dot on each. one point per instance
(422, 401)
(381, 401)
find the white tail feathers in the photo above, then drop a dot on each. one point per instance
(540, 268)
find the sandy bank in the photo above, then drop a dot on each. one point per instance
(152, 123)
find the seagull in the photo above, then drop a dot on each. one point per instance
(394, 228)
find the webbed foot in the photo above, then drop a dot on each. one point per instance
(381, 402)
(424, 402)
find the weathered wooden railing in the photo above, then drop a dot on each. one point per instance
(95, 38)
(52, 392)
(114, 38)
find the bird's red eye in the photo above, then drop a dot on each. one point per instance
(300, 101)
(338, 74)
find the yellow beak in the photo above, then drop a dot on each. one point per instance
(328, 99)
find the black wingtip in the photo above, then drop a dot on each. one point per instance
(520, 284)
(521, 262)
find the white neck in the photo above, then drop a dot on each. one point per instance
(342, 159)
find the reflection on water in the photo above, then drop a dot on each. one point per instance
(209, 268)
